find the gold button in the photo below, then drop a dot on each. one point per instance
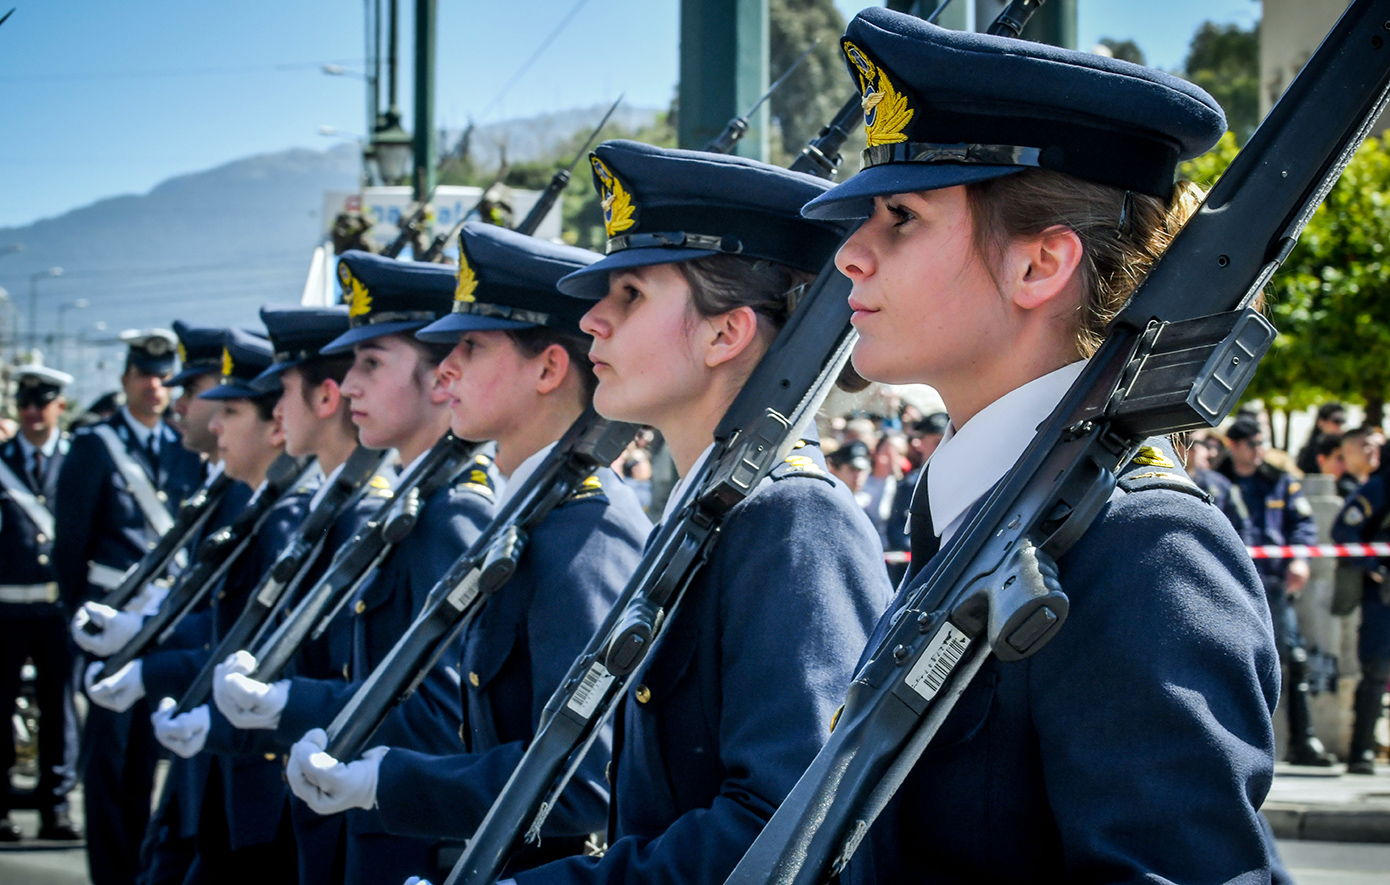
(473, 679)
(345, 672)
(43, 559)
(270, 757)
(644, 694)
(42, 500)
(608, 771)
(40, 538)
(360, 607)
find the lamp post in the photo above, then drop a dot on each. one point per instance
(60, 344)
(34, 302)
(392, 149)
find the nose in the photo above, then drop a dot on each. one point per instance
(451, 369)
(595, 322)
(854, 259)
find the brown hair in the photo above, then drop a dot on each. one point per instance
(721, 283)
(533, 340)
(1122, 233)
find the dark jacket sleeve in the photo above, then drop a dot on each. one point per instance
(80, 493)
(800, 583)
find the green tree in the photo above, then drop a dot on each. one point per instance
(1225, 61)
(817, 89)
(1125, 50)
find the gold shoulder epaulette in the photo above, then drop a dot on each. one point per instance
(590, 487)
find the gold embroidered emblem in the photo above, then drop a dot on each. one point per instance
(617, 205)
(358, 300)
(227, 364)
(1148, 456)
(183, 353)
(886, 112)
(468, 280)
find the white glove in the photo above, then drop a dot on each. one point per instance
(116, 628)
(416, 880)
(147, 601)
(327, 785)
(184, 734)
(246, 702)
(116, 692)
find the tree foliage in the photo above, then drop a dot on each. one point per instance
(1125, 50)
(1331, 299)
(1225, 61)
(817, 89)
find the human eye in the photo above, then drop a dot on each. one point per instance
(899, 214)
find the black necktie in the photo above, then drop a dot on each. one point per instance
(925, 544)
(152, 455)
(38, 469)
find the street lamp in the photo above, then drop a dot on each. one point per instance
(393, 148)
(34, 302)
(79, 304)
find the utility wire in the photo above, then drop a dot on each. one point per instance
(175, 72)
(526, 66)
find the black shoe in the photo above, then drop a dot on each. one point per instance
(1311, 752)
(1364, 763)
(9, 830)
(59, 829)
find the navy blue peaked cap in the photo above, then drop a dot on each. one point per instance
(943, 108)
(152, 350)
(200, 351)
(506, 280)
(388, 296)
(244, 357)
(662, 206)
(298, 334)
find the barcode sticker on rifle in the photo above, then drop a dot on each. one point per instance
(931, 670)
(591, 690)
(466, 591)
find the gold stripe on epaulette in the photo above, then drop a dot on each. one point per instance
(1148, 456)
(1159, 474)
(590, 487)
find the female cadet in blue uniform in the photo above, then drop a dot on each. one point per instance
(397, 403)
(739, 693)
(519, 375)
(1365, 518)
(33, 624)
(240, 829)
(1014, 194)
(102, 530)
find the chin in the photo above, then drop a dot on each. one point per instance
(874, 364)
(612, 407)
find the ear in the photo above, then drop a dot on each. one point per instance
(328, 397)
(729, 335)
(1043, 268)
(439, 388)
(553, 364)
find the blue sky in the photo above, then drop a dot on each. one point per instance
(100, 99)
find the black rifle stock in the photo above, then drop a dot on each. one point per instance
(737, 127)
(1177, 357)
(215, 555)
(590, 443)
(756, 433)
(278, 584)
(561, 180)
(192, 516)
(355, 560)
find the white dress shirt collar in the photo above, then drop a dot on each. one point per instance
(48, 448)
(519, 476)
(142, 433)
(970, 460)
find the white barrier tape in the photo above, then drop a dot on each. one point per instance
(1266, 551)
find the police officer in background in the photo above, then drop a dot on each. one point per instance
(33, 623)
(1268, 507)
(117, 491)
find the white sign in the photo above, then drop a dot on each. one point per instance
(384, 206)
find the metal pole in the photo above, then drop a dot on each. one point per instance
(391, 59)
(426, 14)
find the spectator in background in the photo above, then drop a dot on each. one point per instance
(1331, 418)
(851, 465)
(1270, 509)
(882, 484)
(1360, 457)
(1330, 461)
(923, 436)
(1199, 455)
(637, 473)
(8, 428)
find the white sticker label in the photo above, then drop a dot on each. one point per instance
(464, 594)
(591, 690)
(269, 593)
(941, 657)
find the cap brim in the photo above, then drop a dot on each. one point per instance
(447, 329)
(153, 365)
(591, 282)
(234, 390)
(269, 380)
(188, 375)
(345, 342)
(854, 198)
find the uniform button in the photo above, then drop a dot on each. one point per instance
(161, 496)
(41, 538)
(360, 607)
(345, 672)
(43, 559)
(643, 694)
(463, 740)
(42, 500)
(270, 757)
(473, 679)
(608, 771)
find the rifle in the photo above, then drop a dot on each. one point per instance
(561, 180)
(1177, 357)
(437, 245)
(215, 555)
(737, 127)
(590, 443)
(409, 227)
(193, 514)
(757, 432)
(277, 586)
(822, 156)
(355, 560)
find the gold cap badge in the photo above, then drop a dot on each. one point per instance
(183, 353)
(468, 280)
(618, 210)
(227, 364)
(886, 112)
(359, 302)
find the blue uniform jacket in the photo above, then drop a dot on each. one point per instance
(429, 720)
(1288, 517)
(1136, 745)
(738, 695)
(27, 557)
(97, 518)
(1365, 517)
(515, 653)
